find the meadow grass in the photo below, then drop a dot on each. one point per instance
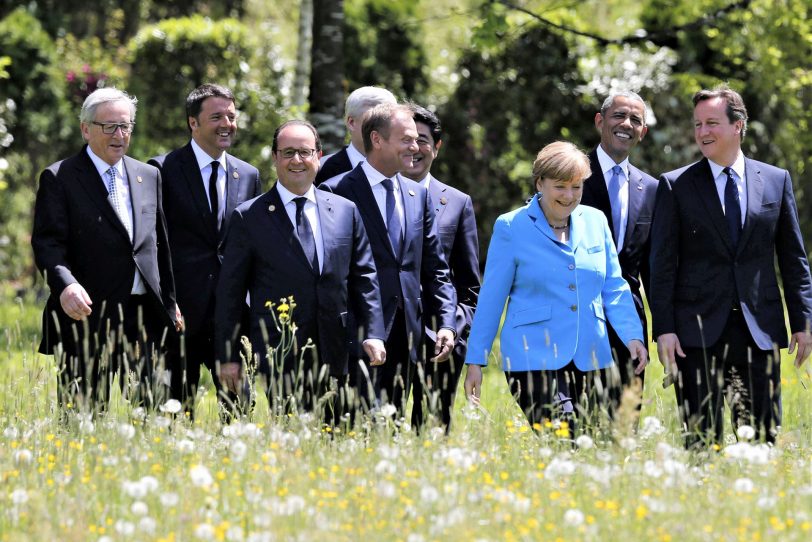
(126, 476)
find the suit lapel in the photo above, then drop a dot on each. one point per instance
(234, 184)
(327, 223)
(281, 220)
(194, 182)
(635, 202)
(93, 184)
(438, 199)
(411, 211)
(539, 220)
(136, 184)
(706, 190)
(595, 186)
(365, 199)
(755, 192)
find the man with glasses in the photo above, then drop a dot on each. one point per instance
(203, 184)
(100, 240)
(309, 247)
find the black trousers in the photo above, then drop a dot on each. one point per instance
(129, 345)
(568, 394)
(733, 370)
(435, 388)
(622, 379)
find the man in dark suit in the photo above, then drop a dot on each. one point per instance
(309, 249)
(455, 226)
(202, 185)
(412, 271)
(99, 239)
(721, 224)
(626, 195)
(358, 102)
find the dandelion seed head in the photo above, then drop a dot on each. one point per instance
(172, 406)
(573, 517)
(200, 475)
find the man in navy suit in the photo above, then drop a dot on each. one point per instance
(721, 224)
(100, 240)
(412, 270)
(203, 184)
(455, 226)
(358, 102)
(310, 248)
(626, 195)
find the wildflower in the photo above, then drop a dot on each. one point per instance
(560, 468)
(237, 450)
(126, 431)
(759, 454)
(573, 517)
(746, 432)
(204, 531)
(172, 406)
(386, 490)
(147, 525)
(388, 410)
(23, 456)
(235, 534)
(19, 496)
(585, 442)
(169, 499)
(743, 485)
(11, 432)
(87, 427)
(139, 508)
(766, 502)
(429, 494)
(185, 446)
(201, 477)
(125, 528)
(139, 414)
(385, 466)
(651, 427)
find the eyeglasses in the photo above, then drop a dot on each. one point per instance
(110, 128)
(304, 154)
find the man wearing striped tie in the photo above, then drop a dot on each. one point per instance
(99, 239)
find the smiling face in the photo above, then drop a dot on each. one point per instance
(394, 154)
(427, 151)
(559, 198)
(296, 173)
(621, 126)
(110, 148)
(214, 128)
(718, 138)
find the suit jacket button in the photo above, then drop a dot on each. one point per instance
(571, 266)
(211, 276)
(572, 287)
(573, 308)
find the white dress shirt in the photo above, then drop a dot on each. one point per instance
(311, 212)
(375, 181)
(607, 164)
(123, 189)
(204, 163)
(355, 156)
(720, 179)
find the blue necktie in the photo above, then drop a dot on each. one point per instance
(733, 210)
(615, 186)
(305, 234)
(392, 218)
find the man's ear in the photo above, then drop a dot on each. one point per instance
(643, 133)
(437, 147)
(598, 120)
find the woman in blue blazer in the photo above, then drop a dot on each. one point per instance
(554, 262)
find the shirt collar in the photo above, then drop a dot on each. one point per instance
(355, 156)
(426, 181)
(375, 177)
(203, 159)
(287, 196)
(607, 163)
(102, 166)
(737, 166)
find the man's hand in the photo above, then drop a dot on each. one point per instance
(180, 323)
(473, 383)
(75, 301)
(444, 345)
(667, 346)
(230, 376)
(639, 353)
(376, 351)
(803, 340)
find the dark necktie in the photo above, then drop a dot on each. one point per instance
(733, 211)
(305, 234)
(118, 202)
(615, 186)
(392, 218)
(213, 198)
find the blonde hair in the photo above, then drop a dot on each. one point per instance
(561, 161)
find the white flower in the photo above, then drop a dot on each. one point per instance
(651, 427)
(389, 410)
(201, 477)
(766, 501)
(234, 534)
(23, 456)
(259, 537)
(386, 490)
(161, 422)
(172, 406)
(87, 427)
(136, 490)
(169, 499)
(759, 454)
(745, 432)
(585, 442)
(385, 467)
(126, 528)
(11, 432)
(743, 485)
(147, 525)
(560, 467)
(126, 431)
(237, 450)
(19, 496)
(139, 413)
(573, 517)
(429, 494)
(149, 482)
(204, 531)
(139, 508)
(185, 446)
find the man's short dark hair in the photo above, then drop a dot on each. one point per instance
(736, 109)
(379, 119)
(295, 122)
(429, 118)
(194, 101)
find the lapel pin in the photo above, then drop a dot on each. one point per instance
(272, 208)
(236, 175)
(411, 192)
(140, 180)
(640, 187)
(443, 200)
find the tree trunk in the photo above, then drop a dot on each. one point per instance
(327, 73)
(303, 54)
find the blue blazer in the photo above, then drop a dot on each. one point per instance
(559, 296)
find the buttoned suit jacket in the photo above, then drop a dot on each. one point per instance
(195, 243)
(455, 224)
(78, 237)
(263, 256)
(634, 255)
(421, 262)
(697, 274)
(334, 164)
(559, 297)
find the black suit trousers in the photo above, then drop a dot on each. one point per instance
(733, 370)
